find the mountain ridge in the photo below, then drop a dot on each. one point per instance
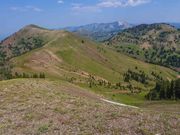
(99, 31)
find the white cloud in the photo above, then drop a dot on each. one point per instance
(34, 8)
(60, 1)
(26, 8)
(108, 4)
(120, 3)
(81, 8)
(136, 2)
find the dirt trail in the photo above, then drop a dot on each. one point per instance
(85, 93)
(53, 56)
(119, 104)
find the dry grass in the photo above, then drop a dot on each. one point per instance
(33, 106)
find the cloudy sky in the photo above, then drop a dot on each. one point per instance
(15, 14)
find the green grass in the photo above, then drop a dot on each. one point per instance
(138, 100)
(98, 60)
(109, 64)
(130, 99)
(43, 128)
(85, 63)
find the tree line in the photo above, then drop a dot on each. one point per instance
(167, 90)
(137, 76)
(5, 67)
(25, 75)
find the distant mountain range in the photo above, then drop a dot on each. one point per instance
(104, 31)
(99, 31)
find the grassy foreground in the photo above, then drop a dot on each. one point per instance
(34, 106)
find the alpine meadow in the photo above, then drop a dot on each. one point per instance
(103, 67)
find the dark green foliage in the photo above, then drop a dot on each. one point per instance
(157, 76)
(22, 46)
(137, 76)
(25, 75)
(72, 79)
(27, 44)
(160, 56)
(5, 72)
(91, 81)
(177, 88)
(160, 44)
(173, 60)
(35, 75)
(5, 67)
(165, 90)
(41, 75)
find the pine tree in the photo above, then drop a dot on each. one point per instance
(35, 75)
(177, 89)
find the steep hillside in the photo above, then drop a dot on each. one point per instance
(99, 31)
(66, 56)
(25, 40)
(155, 43)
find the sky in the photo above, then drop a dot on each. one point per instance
(16, 14)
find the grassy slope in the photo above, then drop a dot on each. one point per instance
(34, 106)
(87, 57)
(65, 56)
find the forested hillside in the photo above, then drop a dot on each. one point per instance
(155, 43)
(165, 90)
